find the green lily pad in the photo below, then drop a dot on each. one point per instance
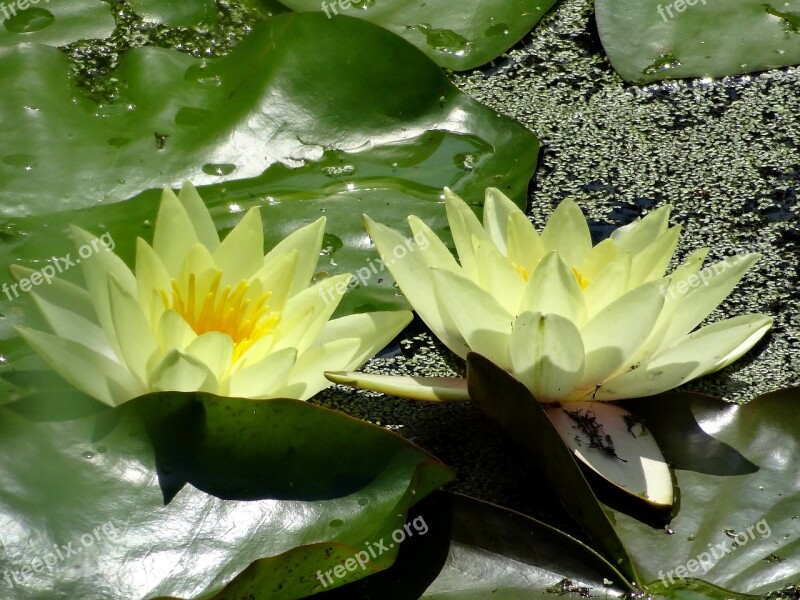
(184, 496)
(457, 35)
(176, 13)
(509, 402)
(53, 22)
(739, 520)
(648, 40)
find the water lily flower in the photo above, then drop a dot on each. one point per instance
(570, 320)
(578, 324)
(200, 314)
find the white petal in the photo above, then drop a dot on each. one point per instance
(92, 373)
(636, 236)
(264, 379)
(277, 276)
(553, 288)
(201, 219)
(374, 330)
(481, 320)
(241, 253)
(413, 276)
(614, 335)
(608, 285)
(430, 247)
(307, 241)
(180, 372)
(525, 248)
(136, 340)
(498, 277)
(497, 210)
(704, 351)
(547, 355)
(652, 262)
(432, 389)
(308, 375)
(174, 233)
(629, 457)
(173, 332)
(464, 225)
(151, 276)
(215, 350)
(568, 233)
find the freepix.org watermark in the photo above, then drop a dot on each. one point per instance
(10, 10)
(374, 550)
(60, 553)
(60, 265)
(374, 267)
(678, 6)
(707, 559)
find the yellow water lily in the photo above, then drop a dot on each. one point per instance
(572, 321)
(200, 314)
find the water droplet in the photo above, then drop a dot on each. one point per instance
(320, 276)
(444, 40)
(340, 171)
(88, 454)
(668, 530)
(218, 169)
(465, 160)
(691, 538)
(190, 116)
(363, 501)
(102, 449)
(20, 161)
(330, 244)
(664, 63)
(499, 29)
(118, 142)
(29, 20)
(336, 523)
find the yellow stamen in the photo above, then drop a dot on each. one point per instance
(583, 282)
(523, 272)
(227, 311)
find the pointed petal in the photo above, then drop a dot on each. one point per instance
(598, 258)
(241, 253)
(568, 233)
(307, 241)
(174, 233)
(202, 223)
(215, 350)
(706, 290)
(322, 300)
(706, 350)
(265, 378)
(151, 276)
(308, 375)
(464, 225)
(614, 335)
(96, 270)
(136, 340)
(180, 372)
(497, 211)
(277, 276)
(173, 332)
(525, 248)
(608, 285)
(547, 355)
(484, 324)
(375, 330)
(433, 389)
(634, 237)
(629, 457)
(413, 276)
(433, 251)
(497, 276)
(92, 373)
(652, 262)
(553, 288)
(66, 295)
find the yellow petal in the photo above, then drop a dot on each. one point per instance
(265, 378)
(174, 233)
(464, 225)
(136, 340)
(307, 241)
(568, 233)
(553, 288)
(180, 372)
(241, 253)
(497, 211)
(430, 389)
(201, 219)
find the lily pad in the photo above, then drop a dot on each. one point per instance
(180, 495)
(457, 35)
(648, 40)
(739, 520)
(55, 22)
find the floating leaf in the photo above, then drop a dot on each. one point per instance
(176, 13)
(457, 35)
(56, 23)
(647, 40)
(176, 495)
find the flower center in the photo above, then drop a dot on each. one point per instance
(228, 311)
(582, 281)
